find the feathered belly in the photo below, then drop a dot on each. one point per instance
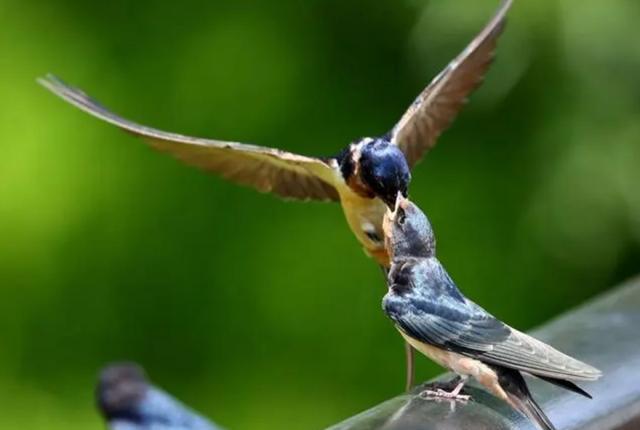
(460, 364)
(364, 217)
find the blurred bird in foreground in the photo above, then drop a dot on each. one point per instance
(363, 177)
(438, 320)
(128, 401)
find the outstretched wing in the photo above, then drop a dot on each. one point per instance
(439, 103)
(266, 169)
(426, 305)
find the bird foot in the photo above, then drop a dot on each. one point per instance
(440, 394)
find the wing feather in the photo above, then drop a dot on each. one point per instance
(425, 304)
(266, 169)
(523, 352)
(439, 103)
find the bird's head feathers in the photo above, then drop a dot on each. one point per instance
(407, 231)
(121, 387)
(383, 169)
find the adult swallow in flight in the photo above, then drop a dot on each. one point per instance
(436, 319)
(362, 177)
(128, 402)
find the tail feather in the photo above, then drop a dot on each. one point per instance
(520, 398)
(532, 410)
(568, 385)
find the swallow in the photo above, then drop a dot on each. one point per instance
(364, 177)
(127, 401)
(433, 315)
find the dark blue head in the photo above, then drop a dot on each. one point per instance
(384, 169)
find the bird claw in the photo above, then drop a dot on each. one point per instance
(452, 396)
(440, 394)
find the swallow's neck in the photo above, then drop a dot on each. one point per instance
(407, 249)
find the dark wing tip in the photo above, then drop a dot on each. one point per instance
(259, 167)
(52, 83)
(495, 27)
(567, 385)
(449, 90)
(500, 16)
(586, 371)
(67, 92)
(48, 77)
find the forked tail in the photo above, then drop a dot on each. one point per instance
(520, 398)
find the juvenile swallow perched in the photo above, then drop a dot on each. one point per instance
(127, 401)
(362, 177)
(438, 320)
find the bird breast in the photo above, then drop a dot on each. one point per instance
(463, 366)
(364, 216)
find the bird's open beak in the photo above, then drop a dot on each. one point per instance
(401, 202)
(390, 217)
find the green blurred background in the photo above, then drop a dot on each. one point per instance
(264, 314)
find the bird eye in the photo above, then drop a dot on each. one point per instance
(373, 236)
(401, 217)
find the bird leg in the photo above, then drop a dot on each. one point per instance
(410, 357)
(440, 393)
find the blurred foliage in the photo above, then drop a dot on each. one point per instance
(264, 314)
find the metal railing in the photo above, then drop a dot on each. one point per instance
(605, 333)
